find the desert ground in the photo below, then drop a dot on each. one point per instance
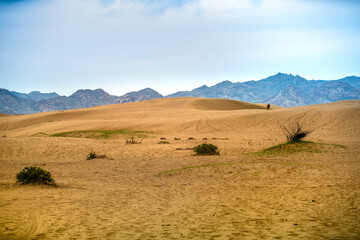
(164, 191)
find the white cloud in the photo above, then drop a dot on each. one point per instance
(216, 6)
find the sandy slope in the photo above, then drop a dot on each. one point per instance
(306, 195)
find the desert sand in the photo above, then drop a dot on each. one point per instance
(164, 191)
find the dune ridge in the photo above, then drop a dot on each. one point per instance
(183, 115)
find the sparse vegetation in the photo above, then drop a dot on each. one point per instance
(35, 175)
(291, 148)
(40, 134)
(185, 148)
(206, 149)
(297, 147)
(133, 140)
(102, 134)
(164, 142)
(294, 131)
(170, 172)
(93, 155)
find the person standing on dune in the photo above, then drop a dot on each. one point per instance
(268, 107)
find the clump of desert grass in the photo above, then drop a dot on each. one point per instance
(93, 155)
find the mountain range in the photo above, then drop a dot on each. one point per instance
(11, 103)
(284, 90)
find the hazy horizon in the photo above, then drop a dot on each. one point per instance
(122, 45)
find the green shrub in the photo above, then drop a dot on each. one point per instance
(93, 155)
(164, 142)
(206, 149)
(35, 175)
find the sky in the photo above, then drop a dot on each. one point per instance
(127, 45)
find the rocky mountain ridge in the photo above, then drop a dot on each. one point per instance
(284, 90)
(279, 89)
(35, 95)
(83, 98)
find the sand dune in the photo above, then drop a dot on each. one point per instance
(222, 104)
(133, 110)
(150, 190)
(190, 116)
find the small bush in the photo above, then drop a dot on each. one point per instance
(35, 175)
(164, 142)
(93, 155)
(206, 149)
(294, 131)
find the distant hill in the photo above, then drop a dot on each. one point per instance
(11, 104)
(284, 90)
(21, 103)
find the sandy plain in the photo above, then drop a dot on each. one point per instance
(163, 191)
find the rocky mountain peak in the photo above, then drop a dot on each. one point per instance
(225, 83)
(138, 96)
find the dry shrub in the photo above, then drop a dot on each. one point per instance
(133, 140)
(294, 130)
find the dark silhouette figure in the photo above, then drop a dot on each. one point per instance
(268, 107)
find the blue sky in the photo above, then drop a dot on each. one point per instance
(126, 45)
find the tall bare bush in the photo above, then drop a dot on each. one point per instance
(294, 131)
